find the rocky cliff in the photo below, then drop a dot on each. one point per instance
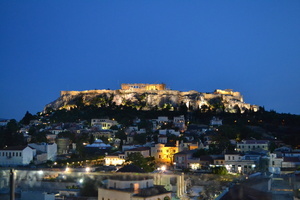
(227, 100)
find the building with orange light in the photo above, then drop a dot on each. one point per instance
(164, 153)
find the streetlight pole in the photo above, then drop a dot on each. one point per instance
(12, 184)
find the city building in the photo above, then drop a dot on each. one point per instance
(240, 163)
(186, 160)
(63, 145)
(16, 155)
(50, 149)
(127, 186)
(250, 145)
(275, 163)
(163, 153)
(103, 123)
(216, 122)
(168, 131)
(144, 151)
(179, 122)
(97, 148)
(3, 122)
(117, 158)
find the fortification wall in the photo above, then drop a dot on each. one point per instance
(228, 92)
(85, 92)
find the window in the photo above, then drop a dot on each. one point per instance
(228, 157)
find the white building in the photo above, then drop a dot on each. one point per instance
(114, 159)
(103, 123)
(3, 122)
(169, 131)
(49, 148)
(16, 155)
(250, 145)
(216, 122)
(238, 163)
(144, 151)
(56, 131)
(275, 163)
(179, 122)
(162, 139)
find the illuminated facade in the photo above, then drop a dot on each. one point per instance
(103, 123)
(164, 153)
(114, 159)
(239, 163)
(142, 86)
(227, 92)
(185, 160)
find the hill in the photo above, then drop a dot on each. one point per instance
(144, 99)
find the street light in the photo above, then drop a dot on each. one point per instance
(87, 169)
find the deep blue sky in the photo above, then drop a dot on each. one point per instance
(249, 46)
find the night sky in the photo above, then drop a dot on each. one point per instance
(249, 46)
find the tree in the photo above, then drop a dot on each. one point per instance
(199, 152)
(147, 164)
(140, 138)
(39, 137)
(89, 187)
(12, 126)
(220, 170)
(91, 139)
(67, 134)
(10, 134)
(26, 119)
